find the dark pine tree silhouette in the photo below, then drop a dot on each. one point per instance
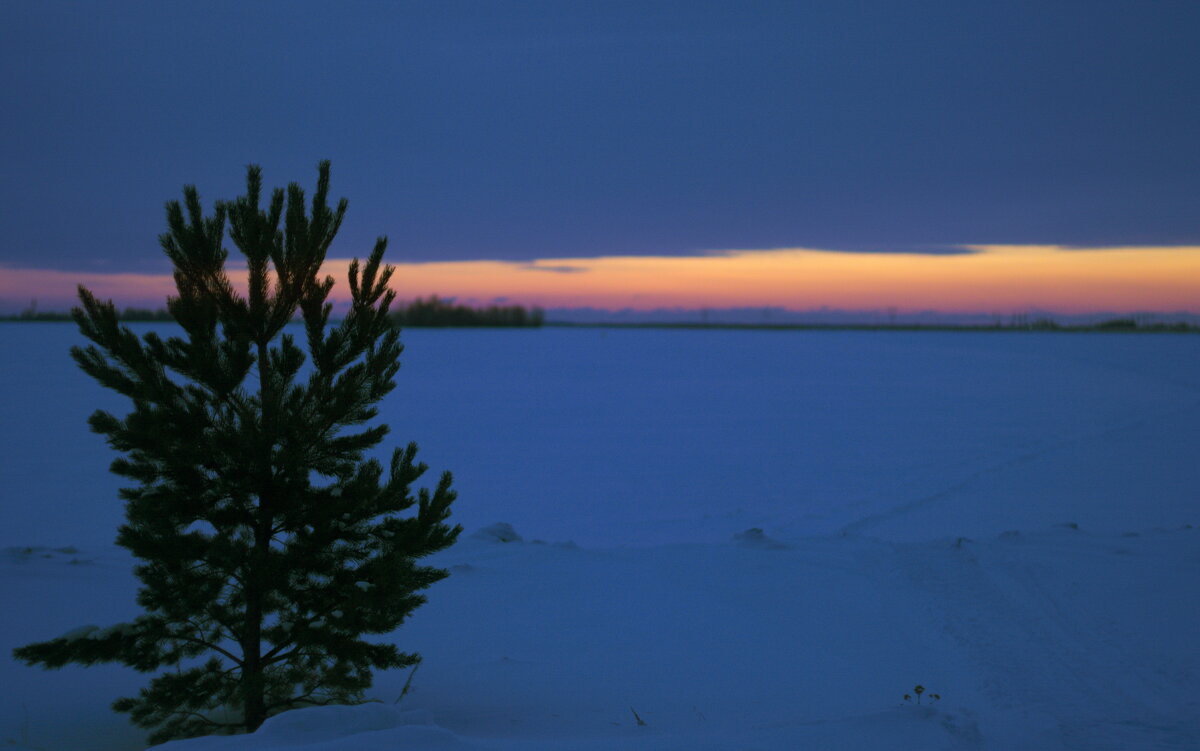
(268, 545)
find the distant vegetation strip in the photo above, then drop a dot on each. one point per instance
(129, 314)
(431, 312)
(1116, 325)
(436, 312)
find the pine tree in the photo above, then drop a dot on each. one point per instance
(267, 545)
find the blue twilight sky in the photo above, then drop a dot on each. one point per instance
(522, 130)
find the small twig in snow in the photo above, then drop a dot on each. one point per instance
(407, 684)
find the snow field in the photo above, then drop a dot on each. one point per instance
(775, 537)
(1044, 639)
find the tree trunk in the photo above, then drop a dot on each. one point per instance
(253, 685)
(254, 701)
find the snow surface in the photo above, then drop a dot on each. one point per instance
(756, 540)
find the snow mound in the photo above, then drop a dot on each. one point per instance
(323, 723)
(379, 727)
(498, 532)
(565, 544)
(756, 538)
(901, 728)
(364, 727)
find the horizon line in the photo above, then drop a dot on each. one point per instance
(982, 279)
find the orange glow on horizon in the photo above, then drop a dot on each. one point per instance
(990, 278)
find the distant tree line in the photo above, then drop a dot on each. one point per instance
(1112, 324)
(129, 314)
(435, 311)
(438, 312)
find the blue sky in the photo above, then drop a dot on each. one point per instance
(524, 130)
